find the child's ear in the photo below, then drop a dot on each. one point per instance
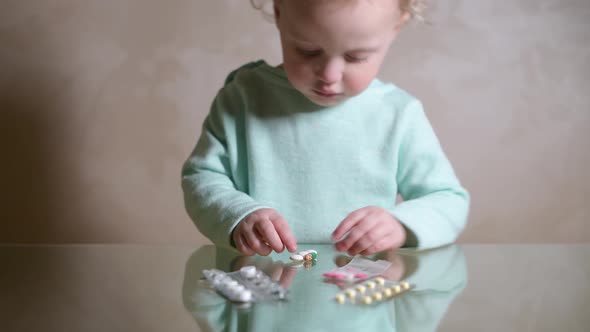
(406, 16)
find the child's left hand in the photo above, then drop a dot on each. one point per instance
(370, 229)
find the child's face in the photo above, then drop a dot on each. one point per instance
(332, 49)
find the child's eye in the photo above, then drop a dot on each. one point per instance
(355, 59)
(309, 53)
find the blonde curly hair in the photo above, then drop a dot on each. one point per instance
(415, 8)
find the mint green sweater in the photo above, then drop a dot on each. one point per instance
(264, 144)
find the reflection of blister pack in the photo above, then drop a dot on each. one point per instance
(249, 284)
(373, 291)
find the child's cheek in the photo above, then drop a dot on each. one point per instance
(357, 84)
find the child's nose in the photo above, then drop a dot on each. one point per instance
(330, 71)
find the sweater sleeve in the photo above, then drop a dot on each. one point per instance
(212, 199)
(435, 206)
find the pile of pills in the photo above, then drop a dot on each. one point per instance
(306, 255)
(249, 284)
(373, 291)
(306, 258)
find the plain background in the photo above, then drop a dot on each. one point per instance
(101, 101)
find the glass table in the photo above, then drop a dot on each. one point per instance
(160, 288)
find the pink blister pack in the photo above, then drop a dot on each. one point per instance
(359, 268)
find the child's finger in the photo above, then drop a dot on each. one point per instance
(256, 244)
(267, 231)
(284, 232)
(358, 239)
(242, 246)
(381, 245)
(348, 223)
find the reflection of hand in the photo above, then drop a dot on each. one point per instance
(278, 271)
(397, 270)
(263, 231)
(370, 230)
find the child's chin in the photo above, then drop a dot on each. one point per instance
(323, 101)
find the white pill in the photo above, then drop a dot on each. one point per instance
(230, 283)
(303, 253)
(248, 271)
(296, 257)
(245, 296)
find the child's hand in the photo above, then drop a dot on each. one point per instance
(263, 231)
(370, 230)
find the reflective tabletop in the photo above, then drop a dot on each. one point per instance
(161, 288)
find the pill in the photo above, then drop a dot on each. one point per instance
(360, 276)
(308, 257)
(360, 288)
(248, 271)
(405, 285)
(231, 283)
(371, 284)
(296, 257)
(245, 296)
(367, 300)
(396, 289)
(378, 296)
(387, 292)
(350, 293)
(303, 253)
(340, 298)
(380, 281)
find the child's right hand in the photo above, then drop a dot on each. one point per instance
(263, 231)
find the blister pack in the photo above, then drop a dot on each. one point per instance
(249, 284)
(373, 291)
(359, 268)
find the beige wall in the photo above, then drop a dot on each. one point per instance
(102, 100)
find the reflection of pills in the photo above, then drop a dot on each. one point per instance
(380, 281)
(340, 298)
(367, 300)
(360, 288)
(378, 296)
(371, 284)
(350, 293)
(405, 285)
(296, 257)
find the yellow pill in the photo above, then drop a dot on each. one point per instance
(350, 292)
(387, 292)
(396, 289)
(360, 288)
(378, 296)
(371, 284)
(380, 281)
(340, 298)
(367, 300)
(405, 285)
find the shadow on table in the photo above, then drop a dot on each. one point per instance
(439, 275)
